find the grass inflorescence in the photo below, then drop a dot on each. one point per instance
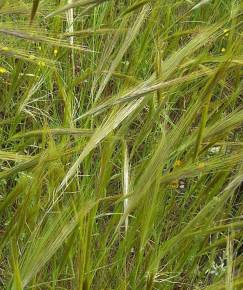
(121, 145)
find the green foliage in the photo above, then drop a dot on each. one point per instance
(121, 145)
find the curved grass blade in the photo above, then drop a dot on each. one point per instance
(7, 155)
(34, 10)
(82, 3)
(134, 7)
(54, 132)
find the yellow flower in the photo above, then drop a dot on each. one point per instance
(174, 184)
(223, 49)
(55, 51)
(201, 165)
(41, 63)
(5, 48)
(177, 163)
(226, 30)
(2, 70)
(39, 47)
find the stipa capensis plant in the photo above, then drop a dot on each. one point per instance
(121, 145)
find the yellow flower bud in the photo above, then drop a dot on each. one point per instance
(201, 165)
(2, 70)
(177, 163)
(41, 63)
(5, 48)
(174, 184)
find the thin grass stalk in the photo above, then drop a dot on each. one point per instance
(70, 29)
(126, 181)
(229, 254)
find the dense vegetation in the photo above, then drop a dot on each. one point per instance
(121, 144)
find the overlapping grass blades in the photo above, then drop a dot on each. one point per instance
(121, 145)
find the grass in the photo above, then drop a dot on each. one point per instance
(121, 145)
